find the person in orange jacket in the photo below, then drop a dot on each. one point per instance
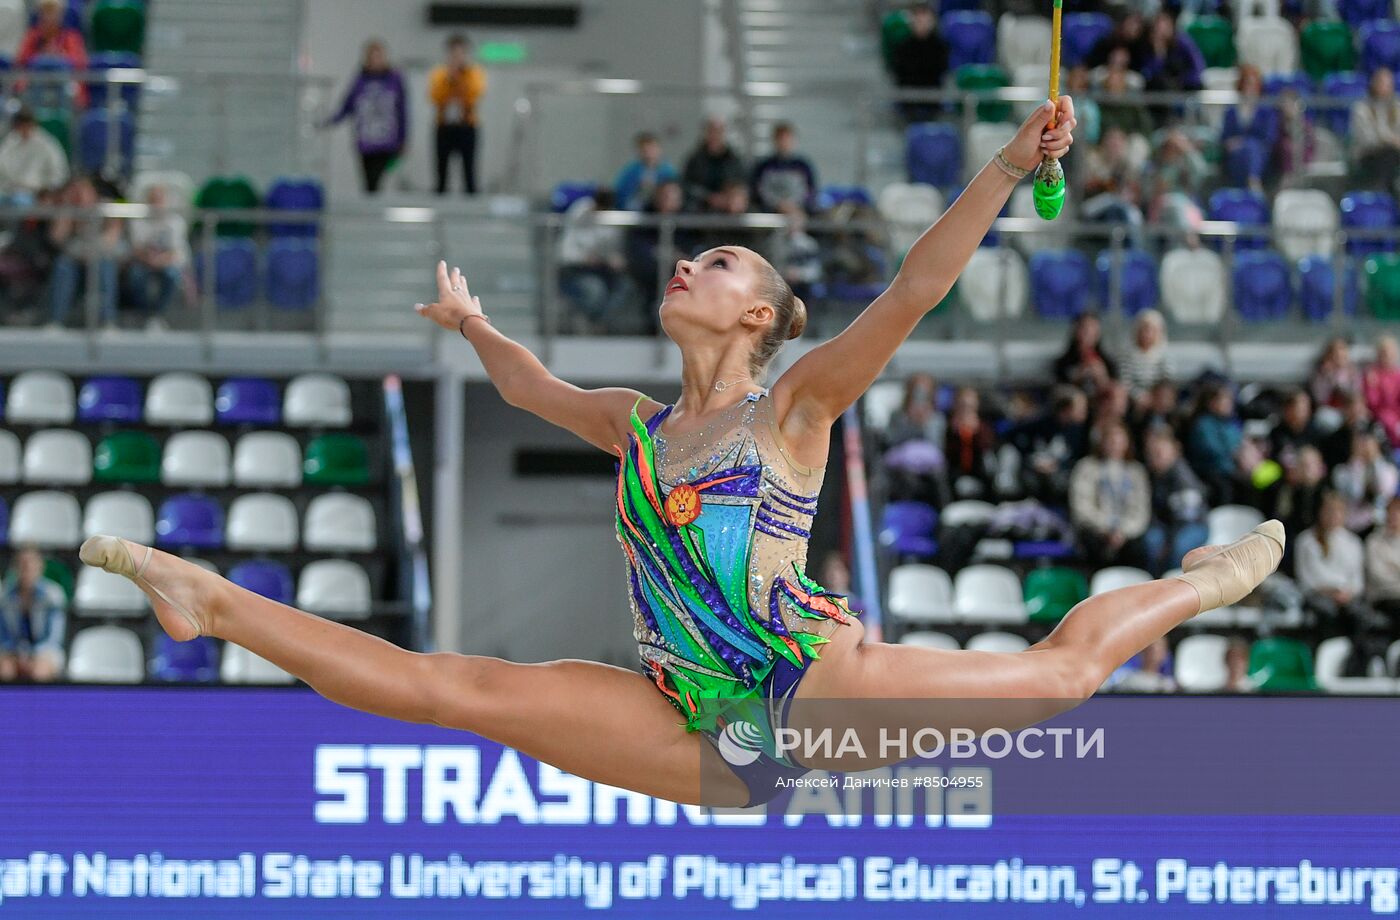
(455, 88)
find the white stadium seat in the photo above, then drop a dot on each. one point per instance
(997, 641)
(984, 139)
(1200, 663)
(1023, 41)
(195, 458)
(40, 398)
(267, 460)
(58, 456)
(106, 655)
(1193, 286)
(1227, 523)
(995, 284)
(338, 522)
(925, 639)
(10, 464)
(1023, 205)
(51, 520)
(101, 593)
(261, 521)
(968, 511)
(1269, 43)
(1330, 661)
(881, 402)
(317, 401)
(909, 208)
(989, 594)
(179, 400)
(1115, 577)
(240, 666)
(1305, 223)
(921, 594)
(14, 20)
(179, 187)
(120, 514)
(335, 588)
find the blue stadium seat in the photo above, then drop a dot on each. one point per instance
(293, 273)
(933, 154)
(972, 38)
(1299, 82)
(833, 195)
(1348, 86)
(110, 399)
(955, 6)
(4, 522)
(1357, 12)
(1062, 282)
(265, 577)
(1369, 211)
(235, 273)
(113, 60)
(72, 16)
(195, 662)
(1379, 41)
(1241, 206)
(566, 193)
(94, 130)
(1317, 287)
(295, 193)
(908, 527)
(48, 94)
(190, 521)
(1082, 31)
(1263, 286)
(1138, 284)
(248, 401)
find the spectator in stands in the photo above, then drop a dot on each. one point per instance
(1297, 138)
(379, 104)
(455, 89)
(638, 181)
(1178, 505)
(917, 415)
(50, 37)
(785, 181)
(1375, 133)
(1147, 363)
(31, 161)
(1212, 441)
(1159, 407)
(733, 201)
(1110, 404)
(26, 259)
(798, 255)
(1175, 175)
(1127, 115)
(1086, 109)
(1296, 497)
(82, 242)
(1329, 566)
(1367, 481)
(160, 252)
(592, 264)
(648, 261)
(1170, 62)
(1052, 444)
(1152, 674)
(711, 167)
(1249, 133)
(1237, 679)
(1110, 499)
(1355, 418)
(836, 578)
(1295, 428)
(33, 619)
(1083, 363)
(1127, 37)
(1112, 192)
(921, 61)
(1383, 564)
(1381, 387)
(1334, 375)
(970, 447)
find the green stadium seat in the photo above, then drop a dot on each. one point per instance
(336, 460)
(1215, 38)
(57, 571)
(1052, 592)
(58, 123)
(127, 456)
(118, 25)
(1281, 665)
(1383, 285)
(985, 76)
(227, 193)
(894, 28)
(1326, 47)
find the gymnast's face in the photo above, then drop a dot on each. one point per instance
(715, 292)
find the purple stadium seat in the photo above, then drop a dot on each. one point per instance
(1063, 282)
(1369, 211)
(291, 193)
(1344, 87)
(1241, 206)
(113, 60)
(235, 273)
(1357, 12)
(1082, 31)
(933, 154)
(293, 273)
(48, 94)
(1137, 285)
(265, 577)
(195, 662)
(972, 38)
(110, 399)
(1263, 286)
(833, 195)
(1317, 287)
(1299, 82)
(566, 193)
(190, 520)
(4, 522)
(1379, 41)
(908, 527)
(248, 401)
(93, 132)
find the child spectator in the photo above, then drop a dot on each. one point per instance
(33, 619)
(1381, 386)
(711, 167)
(380, 107)
(1110, 500)
(455, 89)
(797, 255)
(785, 181)
(31, 161)
(637, 182)
(160, 252)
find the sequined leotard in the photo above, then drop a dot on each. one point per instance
(714, 525)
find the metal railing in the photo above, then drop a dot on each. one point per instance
(414, 584)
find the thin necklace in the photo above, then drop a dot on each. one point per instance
(721, 386)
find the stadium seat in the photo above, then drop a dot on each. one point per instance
(248, 401)
(1245, 207)
(240, 666)
(832, 196)
(127, 456)
(102, 594)
(1082, 31)
(267, 460)
(566, 193)
(121, 514)
(293, 273)
(981, 78)
(1042, 239)
(1193, 286)
(1115, 577)
(1263, 287)
(1228, 523)
(13, 23)
(265, 578)
(956, 514)
(1064, 281)
(194, 662)
(1317, 288)
(881, 401)
(907, 528)
(40, 398)
(921, 594)
(1199, 663)
(1305, 222)
(1383, 285)
(1269, 43)
(335, 588)
(262, 521)
(336, 460)
(1379, 41)
(10, 464)
(1023, 40)
(909, 208)
(1326, 47)
(195, 458)
(49, 95)
(98, 152)
(1369, 211)
(1215, 38)
(926, 639)
(1051, 593)
(179, 400)
(933, 154)
(49, 520)
(118, 25)
(58, 123)
(58, 456)
(989, 594)
(999, 642)
(894, 29)
(972, 38)
(984, 139)
(1137, 282)
(1281, 665)
(110, 399)
(130, 93)
(1356, 12)
(295, 193)
(1330, 666)
(1299, 82)
(106, 655)
(317, 401)
(236, 274)
(995, 284)
(190, 520)
(1343, 88)
(229, 193)
(340, 523)
(57, 571)
(4, 522)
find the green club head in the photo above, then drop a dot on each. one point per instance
(1049, 189)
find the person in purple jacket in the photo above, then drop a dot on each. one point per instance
(380, 106)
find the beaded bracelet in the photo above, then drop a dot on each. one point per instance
(1008, 167)
(461, 323)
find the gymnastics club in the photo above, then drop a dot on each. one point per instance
(1049, 188)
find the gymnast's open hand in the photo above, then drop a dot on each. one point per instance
(1035, 140)
(454, 304)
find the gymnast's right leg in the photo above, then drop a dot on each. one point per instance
(604, 723)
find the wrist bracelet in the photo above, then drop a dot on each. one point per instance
(461, 323)
(1008, 167)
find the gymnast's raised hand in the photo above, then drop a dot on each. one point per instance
(1037, 140)
(455, 303)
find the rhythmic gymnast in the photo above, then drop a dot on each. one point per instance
(714, 503)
